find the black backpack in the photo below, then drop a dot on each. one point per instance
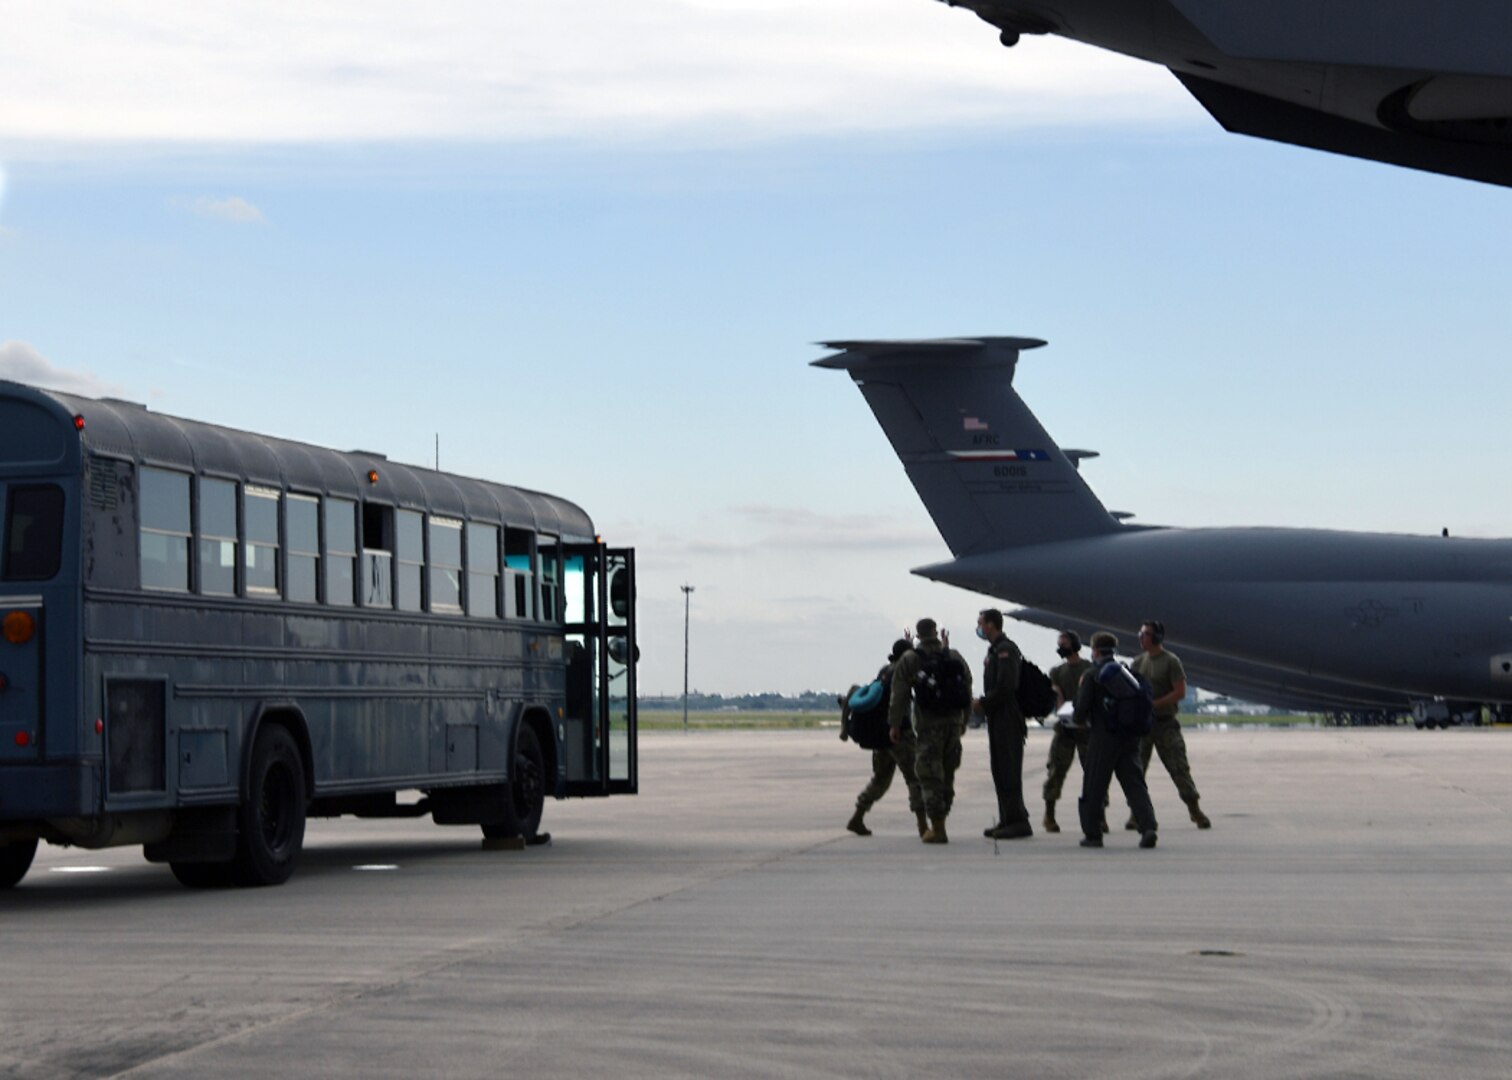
(866, 715)
(1036, 693)
(943, 683)
(1128, 700)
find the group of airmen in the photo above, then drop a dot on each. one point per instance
(926, 742)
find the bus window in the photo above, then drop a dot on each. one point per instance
(302, 514)
(577, 605)
(164, 534)
(377, 557)
(519, 582)
(483, 571)
(217, 537)
(261, 510)
(445, 565)
(33, 533)
(409, 558)
(547, 557)
(341, 552)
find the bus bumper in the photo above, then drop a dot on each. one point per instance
(69, 789)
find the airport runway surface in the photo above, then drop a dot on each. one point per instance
(1347, 915)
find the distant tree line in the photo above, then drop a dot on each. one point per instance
(809, 700)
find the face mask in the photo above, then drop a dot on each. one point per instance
(1062, 651)
(981, 633)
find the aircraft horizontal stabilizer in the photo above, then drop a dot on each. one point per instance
(988, 473)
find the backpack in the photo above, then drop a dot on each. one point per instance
(866, 716)
(1036, 693)
(1128, 701)
(943, 684)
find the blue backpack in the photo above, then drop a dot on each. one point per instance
(1128, 700)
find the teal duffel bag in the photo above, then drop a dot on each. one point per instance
(866, 716)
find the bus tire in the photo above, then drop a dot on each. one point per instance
(15, 861)
(202, 875)
(271, 819)
(525, 799)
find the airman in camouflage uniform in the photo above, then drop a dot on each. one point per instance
(1070, 739)
(898, 758)
(937, 734)
(1167, 679)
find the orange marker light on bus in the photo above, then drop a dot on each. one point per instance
(19, 626)
(372, 476)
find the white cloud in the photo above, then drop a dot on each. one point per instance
(20, 362)
(243, 72)
(233, 208)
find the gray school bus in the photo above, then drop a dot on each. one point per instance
(207, 635)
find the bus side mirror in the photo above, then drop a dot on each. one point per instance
(619, 593)
(619, 650)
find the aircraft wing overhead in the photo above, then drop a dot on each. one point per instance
(1425, 84)
(1242, 678)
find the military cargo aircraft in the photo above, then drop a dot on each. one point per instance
(1421, 83)
(1420, 617)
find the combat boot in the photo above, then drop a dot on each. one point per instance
(1199, 819)
(923, 822)
(856, 825)
(1131, 824)
(1050, 823)
(935, 834)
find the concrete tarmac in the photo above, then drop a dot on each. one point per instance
(1347, 915)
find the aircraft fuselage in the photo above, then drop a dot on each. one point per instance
(1422, 615)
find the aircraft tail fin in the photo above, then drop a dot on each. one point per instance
(985, 468)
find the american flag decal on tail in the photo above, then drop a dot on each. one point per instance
(971, 423)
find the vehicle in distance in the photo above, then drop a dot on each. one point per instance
(210, 634)
(1361, 615)
(1426, 84)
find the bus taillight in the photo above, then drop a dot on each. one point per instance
(19, 626)
(23, 738)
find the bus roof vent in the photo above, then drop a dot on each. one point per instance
(369, 453)
(123, 402)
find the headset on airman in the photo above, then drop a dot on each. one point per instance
(1157, 630)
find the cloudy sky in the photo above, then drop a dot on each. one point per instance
(591, 246)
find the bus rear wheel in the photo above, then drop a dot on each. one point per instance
(271, 819)
(15, 861)
(525, 800)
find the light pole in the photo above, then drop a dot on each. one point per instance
(687, 603)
